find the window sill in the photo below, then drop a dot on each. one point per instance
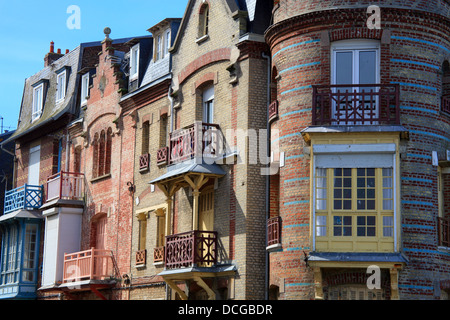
(105, 176)
(202, 39)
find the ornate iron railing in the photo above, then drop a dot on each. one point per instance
(194, 248)
(273, 231)
(445, 104)
(273, 110)
(368, 104)
(65, 185)
(158, 255)
(141, 257)
(162, 156)
(93, 264)
(24, 197)
(144, 162)
(444, 232)
(197, 140)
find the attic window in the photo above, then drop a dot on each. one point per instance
(61, 86)
(134, 62)
(203, 24)
(38, 99)
(84, 88)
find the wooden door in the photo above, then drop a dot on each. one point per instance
(206, 210)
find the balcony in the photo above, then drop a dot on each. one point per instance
(444, 232)
(93, 264)
(273, 233)
(26, 197)
(158, 255)
(141, 257)
(195, 141)
(65, 186)
(370, 104)
(144, 162)
(273, 110)
(445, 104)
(162, 156)
(194, 248)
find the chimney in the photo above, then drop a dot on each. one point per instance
(52, 56)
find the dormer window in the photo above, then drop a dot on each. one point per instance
(38, 101)
(167, 42)
(134, 62)
(84, 88)
(61, 86)
(160, 52)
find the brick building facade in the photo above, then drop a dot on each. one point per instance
(326, 234)
(249, 150)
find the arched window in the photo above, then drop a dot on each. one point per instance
(95, 147)
(101, 153)
(108, 151)
(102, 145)
(145, 137)
(203, 24)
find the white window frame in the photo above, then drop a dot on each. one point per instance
(84, 88)
(61, 80)
(134, 62)
(355, 46)
(37, 102)
(167, 42)
(208, 103)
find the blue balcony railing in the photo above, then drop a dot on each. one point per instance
(25, 197)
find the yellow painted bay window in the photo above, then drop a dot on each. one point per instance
(354, 209)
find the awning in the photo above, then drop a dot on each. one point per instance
(21, 214)
(357, 257)
(184, 168)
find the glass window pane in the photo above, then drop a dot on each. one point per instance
(361, 221)
(361, 232)
(347, 204)
(347, 231)
(370, 220)
(367, 67)
(344, 67)
(370, 204)
(337, 231)
(371, 231)
(337, 205)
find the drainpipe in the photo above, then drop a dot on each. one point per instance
(266, 293)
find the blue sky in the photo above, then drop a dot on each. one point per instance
(28, 26)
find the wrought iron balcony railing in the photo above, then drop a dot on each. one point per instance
(197, 140)
(369, 104)
(273, 110)
(162, 156)
(65, 186)
(444, 232)
(25, 197)
(158, 255)
(445, 104)
(141, 257)
(273, 231)
(194, 248)
(93, 264)
(144, 162)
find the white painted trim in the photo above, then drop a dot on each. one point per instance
(354, 148)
